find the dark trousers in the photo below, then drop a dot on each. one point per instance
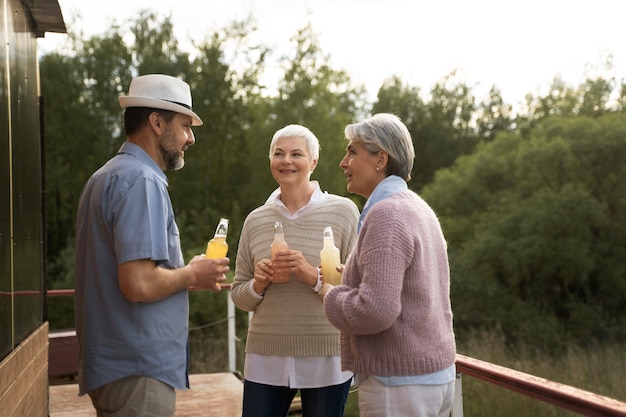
(260, 400)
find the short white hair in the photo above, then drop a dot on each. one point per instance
(297, 131)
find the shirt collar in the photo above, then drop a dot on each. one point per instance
(386, 188)
(317, 198)
(137, 152)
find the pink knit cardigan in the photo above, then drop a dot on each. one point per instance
(393, 309)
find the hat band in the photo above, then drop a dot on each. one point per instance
(187, 106)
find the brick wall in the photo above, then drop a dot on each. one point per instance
(24, 377)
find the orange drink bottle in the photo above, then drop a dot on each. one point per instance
(217, 247)
(280, 276)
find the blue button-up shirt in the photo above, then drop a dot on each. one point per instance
(125, 214)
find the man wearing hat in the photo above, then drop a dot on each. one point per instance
(131, 301)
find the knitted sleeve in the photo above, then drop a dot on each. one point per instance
(370, 302)
(253, 226)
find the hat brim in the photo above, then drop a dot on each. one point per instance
(153, 103)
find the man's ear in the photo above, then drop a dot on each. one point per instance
(156, 122)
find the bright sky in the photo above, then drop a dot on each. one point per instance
(518, 46)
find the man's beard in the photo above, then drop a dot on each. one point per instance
(172, 157)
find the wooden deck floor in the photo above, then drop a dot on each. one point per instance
(218, 394)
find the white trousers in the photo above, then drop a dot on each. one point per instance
(378, 400)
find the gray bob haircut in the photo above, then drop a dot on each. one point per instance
(297, 131)
(385, 131)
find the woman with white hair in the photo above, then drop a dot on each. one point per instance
(291, 345)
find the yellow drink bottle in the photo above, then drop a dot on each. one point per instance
(279, 243)
(330, 258)
(217, 247)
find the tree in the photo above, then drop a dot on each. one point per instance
(441, 128)
(82, 122)
(534, 227)
(154, 47)
(494, 116)
(314, 94)
(403, 100)
(216, 179)
(596, 96)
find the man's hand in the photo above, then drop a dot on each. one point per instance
(208, 273)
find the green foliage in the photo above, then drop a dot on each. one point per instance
(593, 98)
(440, 128)
(214, 175)
(534, 227)
(207, 307)
(315, 95)
(60, 310)
(494, 116)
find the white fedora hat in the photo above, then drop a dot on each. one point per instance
(158, 91)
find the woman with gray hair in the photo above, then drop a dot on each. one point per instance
(291, 345)
(393, 307)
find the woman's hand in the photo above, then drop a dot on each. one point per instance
(294, 262)
(325, 288)
(262, 275)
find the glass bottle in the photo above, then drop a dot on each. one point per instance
(217, 247)
(330, 258)
(279, 243)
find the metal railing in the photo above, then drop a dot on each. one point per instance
(563, 396)
(560, 395)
